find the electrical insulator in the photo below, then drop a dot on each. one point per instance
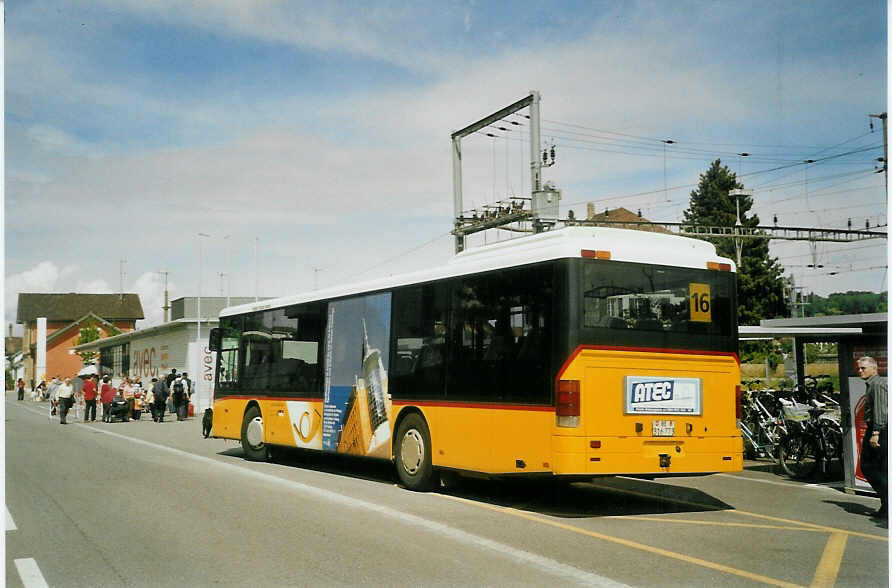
(867, 224)
(775, 220)
(545, 156)
(552, 153)
(850, 224)
(639, 213)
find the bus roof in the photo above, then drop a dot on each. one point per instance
(567, 242)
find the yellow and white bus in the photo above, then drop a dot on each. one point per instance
(581, 351)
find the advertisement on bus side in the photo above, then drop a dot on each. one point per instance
(357, 410)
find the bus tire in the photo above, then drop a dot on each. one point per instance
(252, 435)
(412, 454)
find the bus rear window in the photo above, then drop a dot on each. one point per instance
(651, 299)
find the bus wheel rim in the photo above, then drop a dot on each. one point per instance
(254, 432)
(412, 451)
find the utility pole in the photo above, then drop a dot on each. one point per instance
(256, 278)
(544, 200)
(228, 269)
(121, 265)
(166, 306)
(883, 117)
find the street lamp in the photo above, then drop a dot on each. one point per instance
(198, 330)
(738, 241)
(228, 268)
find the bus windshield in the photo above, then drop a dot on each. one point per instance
(657, 306)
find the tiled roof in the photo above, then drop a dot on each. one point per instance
(70, 307)
(620, 215)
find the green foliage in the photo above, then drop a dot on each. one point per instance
(851, 302)
(760, 286)
(760, 351)
(89, 332)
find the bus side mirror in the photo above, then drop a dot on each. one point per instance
(214, 339)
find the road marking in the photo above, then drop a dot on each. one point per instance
(628, 543)
(10, 524)
(812, 525)
(776, 483)
(828, 567)
(545, 564)
(711, 507)
(30, 574)
(715, 523)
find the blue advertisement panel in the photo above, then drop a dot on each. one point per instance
(356, 413)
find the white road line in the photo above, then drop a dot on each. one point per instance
(545, 564)
(10, 524)
(773, 483)
(30, 574)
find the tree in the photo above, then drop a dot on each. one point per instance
(760, 284)
(89, 332)
(851, 302)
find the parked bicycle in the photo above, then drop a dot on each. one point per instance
(813, 440)
(762, 424)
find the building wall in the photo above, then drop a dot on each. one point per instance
(154, 354)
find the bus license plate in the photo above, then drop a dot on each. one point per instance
(664, 428)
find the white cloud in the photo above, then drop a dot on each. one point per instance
(43, 277)
(150, 288)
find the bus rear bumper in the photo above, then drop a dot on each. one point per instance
(646, 455)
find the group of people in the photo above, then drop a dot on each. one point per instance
(177, 385)
(129, 394)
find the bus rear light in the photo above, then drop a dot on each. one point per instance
(738, 401)
(722, 267)
(595, 254)
(594, 444)
(567, 403)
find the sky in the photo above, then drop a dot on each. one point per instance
(271, 147)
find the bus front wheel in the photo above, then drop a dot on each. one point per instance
(413, 454)
(252, 435)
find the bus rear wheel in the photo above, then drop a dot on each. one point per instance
(252, 435)
(412, 454)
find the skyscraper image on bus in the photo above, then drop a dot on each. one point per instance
(580, 351)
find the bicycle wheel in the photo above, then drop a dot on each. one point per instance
(799, 456)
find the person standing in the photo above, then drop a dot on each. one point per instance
(65, 397)
(51, 387)
(159, 395)
(189, 391)
(874, 451)
(179, 398)
(106, 395)
(89, 391)
(20, 389)
(169, 378)
(126, 389)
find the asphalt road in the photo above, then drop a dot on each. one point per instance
(147, 504)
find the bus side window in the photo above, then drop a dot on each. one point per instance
(418, 367)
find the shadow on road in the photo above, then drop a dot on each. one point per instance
(856, 508)
(597, 497)
(600, 497)
(375, 470)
